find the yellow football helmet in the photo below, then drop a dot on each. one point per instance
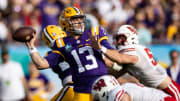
(67, 15)
(51, 33)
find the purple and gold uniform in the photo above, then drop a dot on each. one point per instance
(49, 35)
(65, 94)
(86, 63)
(64, 72)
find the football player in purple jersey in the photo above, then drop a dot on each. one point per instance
(87, 63)
(49, 35)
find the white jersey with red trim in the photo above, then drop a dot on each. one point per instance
(146, 70)
(137, 93)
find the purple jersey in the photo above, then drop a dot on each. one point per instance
(86, 63)
(62, 69)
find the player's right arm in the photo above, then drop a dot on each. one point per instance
(46, 62)
(40, 62)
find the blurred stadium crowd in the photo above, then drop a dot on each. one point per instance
(157, 21)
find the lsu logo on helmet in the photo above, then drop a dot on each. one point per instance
(67, 15)
(51, 33)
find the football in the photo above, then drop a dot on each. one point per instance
(23, 34)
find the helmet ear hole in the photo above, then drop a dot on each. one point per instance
(103, 94)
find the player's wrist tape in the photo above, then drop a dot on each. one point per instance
(117, 67)
(32, 50)
(103, 49)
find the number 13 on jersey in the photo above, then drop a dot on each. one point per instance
(89, 57)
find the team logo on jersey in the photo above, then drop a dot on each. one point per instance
(99, 85)
(68, 47)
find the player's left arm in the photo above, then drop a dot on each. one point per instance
(103, 39)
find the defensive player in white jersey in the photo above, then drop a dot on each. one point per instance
(107, 88)
(139, 61)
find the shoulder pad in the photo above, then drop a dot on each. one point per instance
(59, 43)
(99, 31)
(95, 30)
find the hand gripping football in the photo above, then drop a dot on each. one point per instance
(23, 34)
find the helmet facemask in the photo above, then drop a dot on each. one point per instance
(77, 21)
(128, 35)
(72, 20)
(121, 37)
